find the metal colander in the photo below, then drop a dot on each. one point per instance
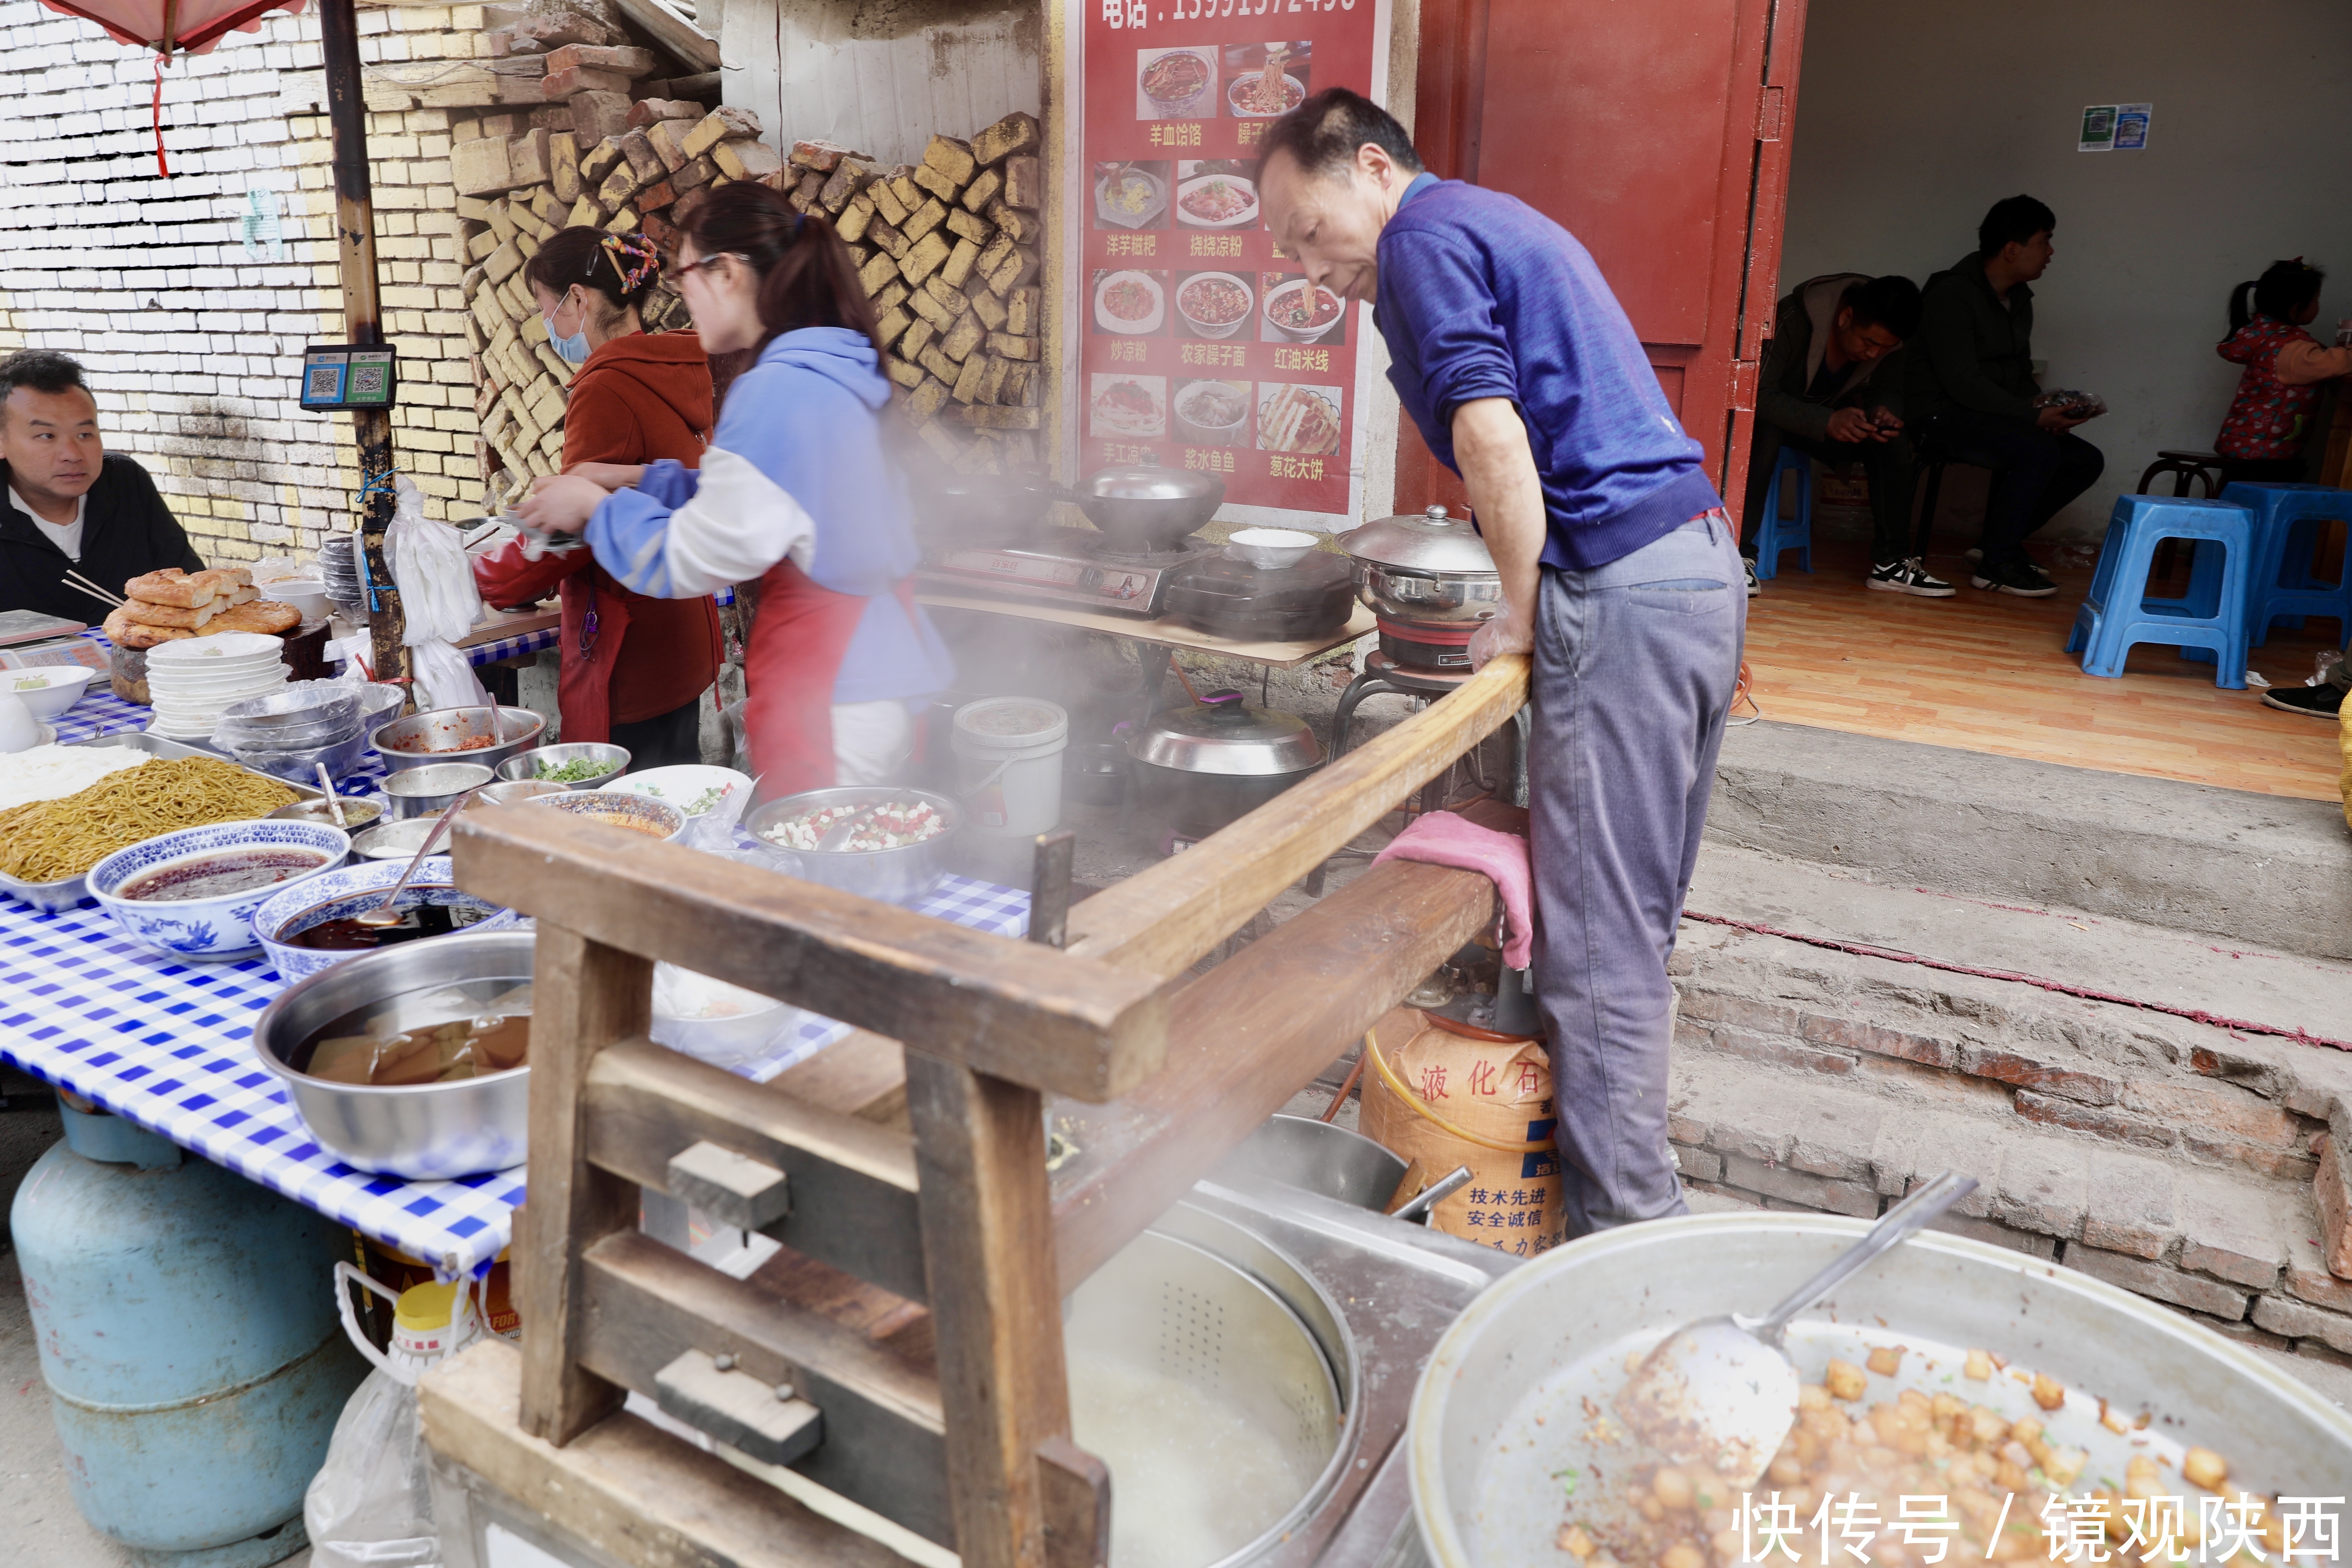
(1216, 1405)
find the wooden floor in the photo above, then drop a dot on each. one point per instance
(1985, 672)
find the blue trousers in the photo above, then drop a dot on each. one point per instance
(1634, 667)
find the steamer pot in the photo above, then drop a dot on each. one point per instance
(1430, 571)
(1560, 1330)
(1199, 767)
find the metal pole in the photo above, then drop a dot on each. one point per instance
(355, 251)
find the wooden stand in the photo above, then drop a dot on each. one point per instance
(905, 1352)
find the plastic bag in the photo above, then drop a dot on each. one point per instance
(437, 600)
(368, 1506)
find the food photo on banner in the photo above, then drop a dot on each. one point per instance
(1200, 344)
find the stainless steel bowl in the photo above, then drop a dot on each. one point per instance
(357, 814)
(428, 1131)
(1322, 1158)
(1556, 1337)
(525, 764)
(393, 840)
(423, 739)
(894, 876)
(509, 792)
(427, 792)
(1148, 506)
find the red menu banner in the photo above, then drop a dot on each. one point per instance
(1199, 343)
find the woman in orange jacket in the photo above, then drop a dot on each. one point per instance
(634, 667)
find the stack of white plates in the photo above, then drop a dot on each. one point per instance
(191, 680)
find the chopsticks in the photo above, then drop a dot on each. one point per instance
(76, 580)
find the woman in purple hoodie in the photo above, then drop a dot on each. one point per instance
(797, 490)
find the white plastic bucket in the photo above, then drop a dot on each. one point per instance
(1008, 771)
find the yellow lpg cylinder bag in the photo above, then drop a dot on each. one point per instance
(1437, 1099)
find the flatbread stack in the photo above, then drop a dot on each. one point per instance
(169, 605)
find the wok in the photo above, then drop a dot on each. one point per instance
(1148, 507)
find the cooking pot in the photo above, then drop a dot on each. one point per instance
(1557, 1336)
(1147, 507)
(1198, 768)
(1429, 580)
(980, 508)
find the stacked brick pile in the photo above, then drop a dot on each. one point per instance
(948, 252)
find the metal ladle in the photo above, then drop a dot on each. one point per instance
(385, 914)
(1721, 1394)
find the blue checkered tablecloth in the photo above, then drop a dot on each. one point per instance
(169, 1045)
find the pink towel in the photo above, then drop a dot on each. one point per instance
(1442, 838)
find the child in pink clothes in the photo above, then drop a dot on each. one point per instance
(2262, 435)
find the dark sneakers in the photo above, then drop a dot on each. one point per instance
(1754, 587)
(2311, 701)
(2018, 575)
(1909, 577)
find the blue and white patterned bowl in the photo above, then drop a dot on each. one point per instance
(340, 895)
(206, 927)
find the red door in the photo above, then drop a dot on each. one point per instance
(1654, 133)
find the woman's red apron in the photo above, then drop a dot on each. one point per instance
(798, 639)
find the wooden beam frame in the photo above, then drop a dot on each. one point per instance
(974, 1445)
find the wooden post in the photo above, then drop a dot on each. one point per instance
(586, 996)
(362, 323)
(988, 1248)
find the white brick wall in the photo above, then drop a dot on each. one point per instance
(193, 347)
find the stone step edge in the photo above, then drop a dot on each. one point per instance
(2256, 1102)
(2238, 1252)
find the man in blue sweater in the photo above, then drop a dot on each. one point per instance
(1621, 573)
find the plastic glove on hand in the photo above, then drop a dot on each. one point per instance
(1507, 633)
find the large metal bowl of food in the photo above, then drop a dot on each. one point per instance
(877, 840)
(487, 736)
(1148, 507)
(411, 1061)
(1951, 1368)
(574, 764)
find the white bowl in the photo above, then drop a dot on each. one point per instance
(1271, 548)
(215, 928)
(341, 894)
(1217, 329)
(1246, 218)
(1117, 324)
(714, 1022)
(1298, 334)
(685, 784)
(48, 690)
(308, 594)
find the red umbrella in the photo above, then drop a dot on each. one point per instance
(189, 27)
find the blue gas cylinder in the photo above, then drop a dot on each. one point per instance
(188, 1335)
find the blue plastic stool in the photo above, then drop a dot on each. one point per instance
(2286, 522)
(2117, 614)
(1774, 532)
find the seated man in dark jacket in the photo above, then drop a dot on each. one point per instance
(1969, 390)
(1820, 393)
(70, 505)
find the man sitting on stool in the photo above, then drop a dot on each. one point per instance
(1819, 395)
(1969, 388)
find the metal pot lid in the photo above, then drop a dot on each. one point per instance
(1222, 734)
(1431, 541)
(1149, 481)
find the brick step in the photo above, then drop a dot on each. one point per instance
(2232, 1249)
(2147, 1080)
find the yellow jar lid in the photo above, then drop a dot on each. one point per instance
(425, 1308)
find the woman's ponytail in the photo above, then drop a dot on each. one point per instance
(2241, 306)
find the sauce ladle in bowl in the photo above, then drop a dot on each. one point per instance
(387, 913)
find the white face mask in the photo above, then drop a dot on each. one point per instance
(572, 350)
